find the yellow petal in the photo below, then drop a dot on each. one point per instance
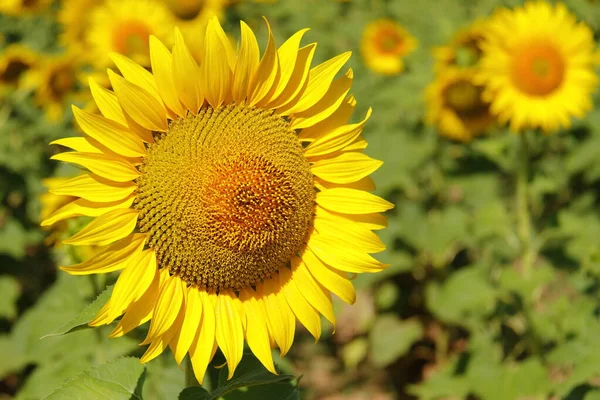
(345, 168)
(107, 102)
(336, 139)
(352, 201)
(102, 317)
(107, 166)
(352, 234)
(143, 133)
(340, 117)
(287, 53)
(94, 188)
(203, 346)
(341, 256)
(106, 229)
(319, 80)
(80, 144)
(257, 334)
(112, 258)
(162, 68)
(191, 322)
(87, 208)
(266, 74)
(333, 280)
(297, 82)
(111, 134)
(331, 101)
(139, 104)
(365, 184)
(246, 65)
(280, 318)
(186, 75)
(311, 290)
(136, 74)
(133, 282)
(215, 66)
(170, 301)
(229, 332)
(159, 344)
(373, 221)
(140, 311)
(306, 314)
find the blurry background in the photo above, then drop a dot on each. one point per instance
(455, 315)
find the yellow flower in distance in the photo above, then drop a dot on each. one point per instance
(537, 66)
(20, 7)
(464, 50)
(233, 195)
(123, 26)
(384, 44)
(455, 105)
(74, 18)
(15, 62)
(190, 11)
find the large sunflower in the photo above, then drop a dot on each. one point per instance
(455, 105)
(384, 44)
(123, 26)
(232, 195)
(537, 66)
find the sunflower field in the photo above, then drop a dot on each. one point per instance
(317, 199)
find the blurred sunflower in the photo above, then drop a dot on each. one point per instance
(74, 17)
(224, 225)
(455, 105)
(537, 66)
(15, 61)
(464, 50)
(123, 26)
(383, 45)
(56, 84)
(188, 12)
(20, 7)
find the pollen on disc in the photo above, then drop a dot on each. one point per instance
(226, 197)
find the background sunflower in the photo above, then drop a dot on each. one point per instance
(493, 279)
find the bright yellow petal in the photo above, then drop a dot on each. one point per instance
(215, 67)
(345, 168)
(352, 201)
(342, 256)
(107, 166)
(80, 144)
(107, 102)
(159, 344)
(139, 104)
(311, 290)
(191, 322)
(267, 73)
(287, 53)
(86, 208)
(373, 221)
(229, 332)
(352, 234)
(306, 314)
(94, 188)
(112, 258)
(162, 68)
(335, 281)
(280, 318)
(137, 75)
(168, 304)
(257, 334)
(102, 317)
(336, 139)
(292, 91)
(203, 346)
(247, 63)
(186, 75)
(106, 229)
(339, 118)
(111, 134)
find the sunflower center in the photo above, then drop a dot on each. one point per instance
(226, 197)
(186, 9)
(538, 69)
(464, 98)
(131, 37)
(390, 41)
(13, 71)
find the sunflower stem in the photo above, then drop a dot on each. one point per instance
(190, 378)
(525, 230)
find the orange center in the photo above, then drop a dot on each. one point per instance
(389, 41)
(131, 37)
(538, 69)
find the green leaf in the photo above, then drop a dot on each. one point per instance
(82, 319)
(391, 338)
(116, 380)
(195, 393)
(9, 293)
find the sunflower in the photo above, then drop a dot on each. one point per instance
(73, 15)
(232, 194)
(191, 11)
(537, 66)
(15, 61)
(384, 44)
(464, 50)
(20, 7)
(55, 81)
(455, 105)
(123, 26)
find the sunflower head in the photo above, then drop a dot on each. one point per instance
(456, 106)
(15, 63)
(74, 19)
(464, 50)
(538, 66)
(384, 44)
(21, 7)
(232, 193)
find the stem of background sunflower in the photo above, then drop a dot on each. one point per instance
(190, 378)
(525, 230)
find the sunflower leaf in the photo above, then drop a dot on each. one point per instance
(116, 380)
(81, 320)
